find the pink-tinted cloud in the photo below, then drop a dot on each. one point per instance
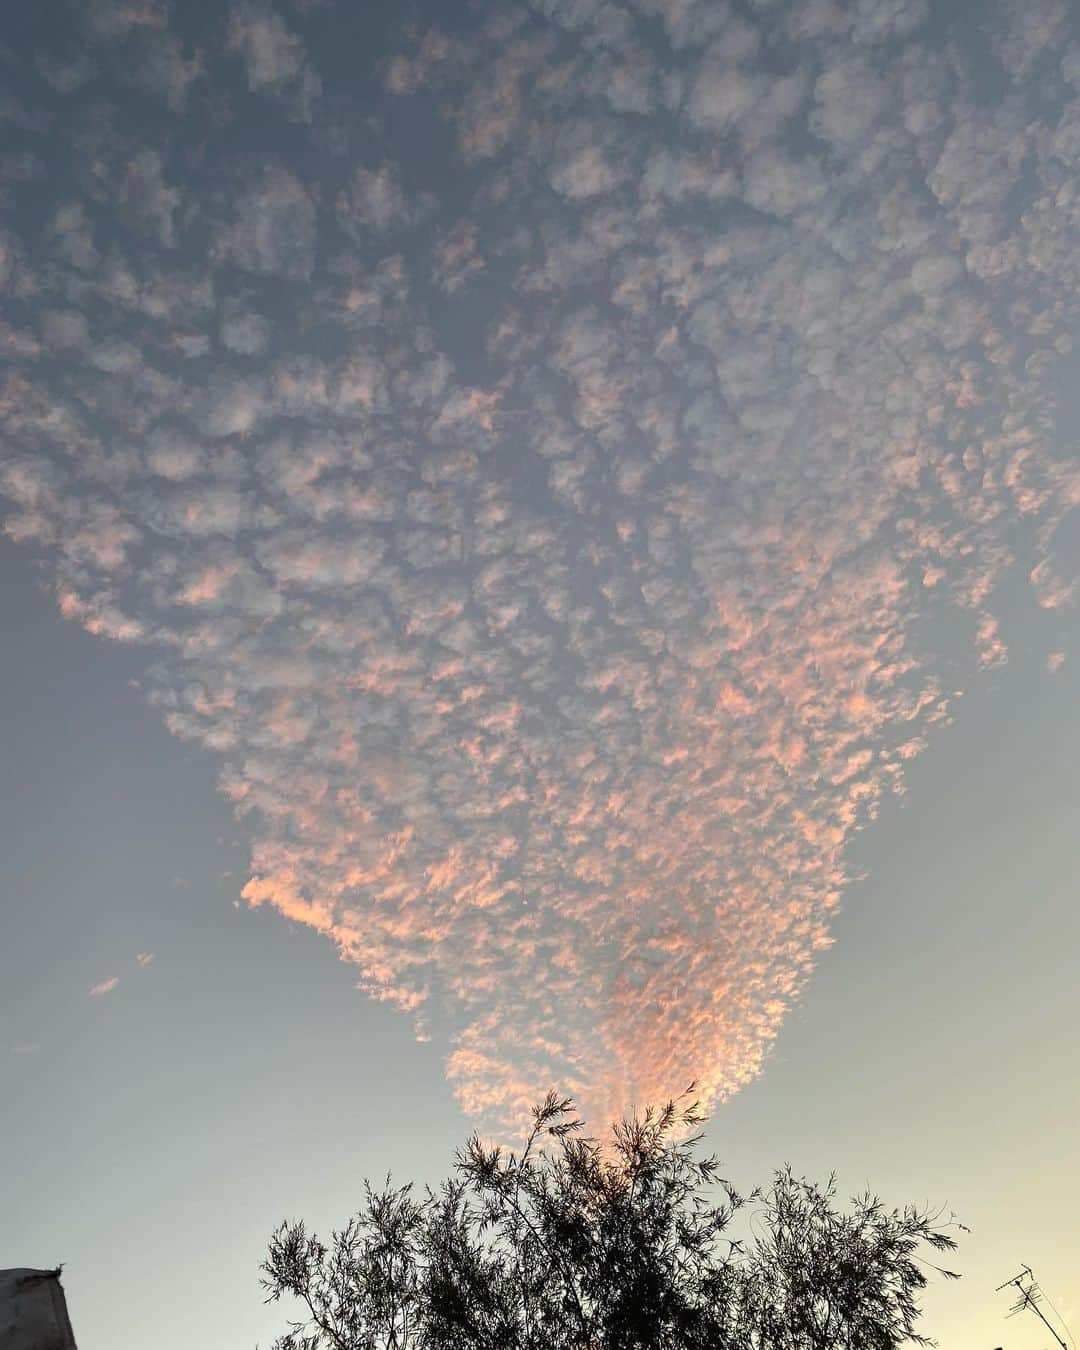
(550, 567)
(104, 987)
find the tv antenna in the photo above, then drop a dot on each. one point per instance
(1029, 1297)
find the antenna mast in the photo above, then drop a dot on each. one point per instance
(1029, 1298)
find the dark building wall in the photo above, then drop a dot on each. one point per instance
(33, 1311)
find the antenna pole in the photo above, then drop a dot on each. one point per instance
(1027, 1299)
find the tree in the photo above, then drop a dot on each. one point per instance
(567, 1245)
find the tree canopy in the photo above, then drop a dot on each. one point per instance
(574, 1244)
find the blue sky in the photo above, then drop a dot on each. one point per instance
(562, 517)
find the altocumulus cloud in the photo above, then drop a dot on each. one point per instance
(533, 474)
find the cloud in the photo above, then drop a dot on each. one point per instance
(457, 261)
(375, 200)
(72, 236)
(65, 74)
(587, 163)
(547, 541)
(779, 185)
(852, 100)
(879, 21)
(246, 332)
(151, 204)
(270, 222)
(104, 986)
(162, 68)
(274, 57)
(116, 18)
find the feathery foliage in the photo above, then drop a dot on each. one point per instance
(568, 1245)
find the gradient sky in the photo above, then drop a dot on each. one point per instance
(561, 517)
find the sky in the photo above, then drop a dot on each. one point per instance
(540, 546)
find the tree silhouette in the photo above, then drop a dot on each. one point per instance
(569, 1245)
